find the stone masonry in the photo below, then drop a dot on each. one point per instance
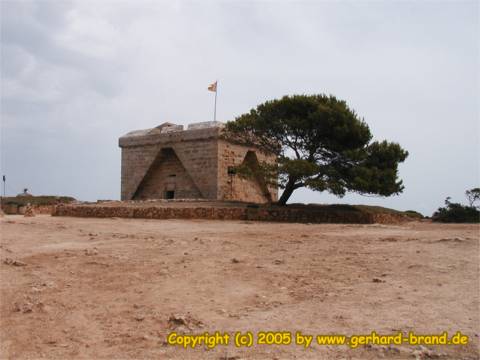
(168, 162)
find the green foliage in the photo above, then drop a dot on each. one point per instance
(473, 196)
(321, 144)
(413, 214)
(456, 213)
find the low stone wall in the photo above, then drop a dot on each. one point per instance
(14, 209)
(274, 214)
(10, 209)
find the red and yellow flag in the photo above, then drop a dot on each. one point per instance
(213, 87)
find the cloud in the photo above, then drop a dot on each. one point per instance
(75, 76)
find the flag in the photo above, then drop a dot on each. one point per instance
(213, 87)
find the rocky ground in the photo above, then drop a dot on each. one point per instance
(84, 288)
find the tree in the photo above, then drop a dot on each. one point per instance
(473, 196)
(456, 213)
(321, 144)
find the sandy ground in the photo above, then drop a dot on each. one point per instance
(114, 288)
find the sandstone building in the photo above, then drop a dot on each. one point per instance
(168, 162)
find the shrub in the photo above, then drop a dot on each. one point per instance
(456, 213)
(413, 214)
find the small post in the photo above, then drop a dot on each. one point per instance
(3, 197)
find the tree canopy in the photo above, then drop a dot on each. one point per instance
(473, 196)
(321, 144)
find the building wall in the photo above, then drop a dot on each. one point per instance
(199, 157)
(200, 161)
(196, 150)
(234, 187)
(167, 174)
(135, 163)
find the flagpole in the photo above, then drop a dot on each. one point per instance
(215, 107)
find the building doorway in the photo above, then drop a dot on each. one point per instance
(170, 194)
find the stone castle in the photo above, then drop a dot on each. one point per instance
(168, 162)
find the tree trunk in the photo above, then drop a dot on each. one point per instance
(289, 188)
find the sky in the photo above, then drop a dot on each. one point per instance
(77, 75)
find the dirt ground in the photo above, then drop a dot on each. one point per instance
(78, 288)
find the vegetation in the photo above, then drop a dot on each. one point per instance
(346, 209)
(380, 209)
(413, 214)
(473, 197)
(458, 213)
(320, 144)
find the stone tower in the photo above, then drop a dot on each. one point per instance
(168, 162)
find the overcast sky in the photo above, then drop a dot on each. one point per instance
(77, 75)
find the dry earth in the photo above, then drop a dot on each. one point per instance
(77, 288)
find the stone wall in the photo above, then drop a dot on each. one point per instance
(135, 163)
(234, 187)
(14, 209)
(167, 174)
(198, 159)
(303, 214)
(195, 149)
